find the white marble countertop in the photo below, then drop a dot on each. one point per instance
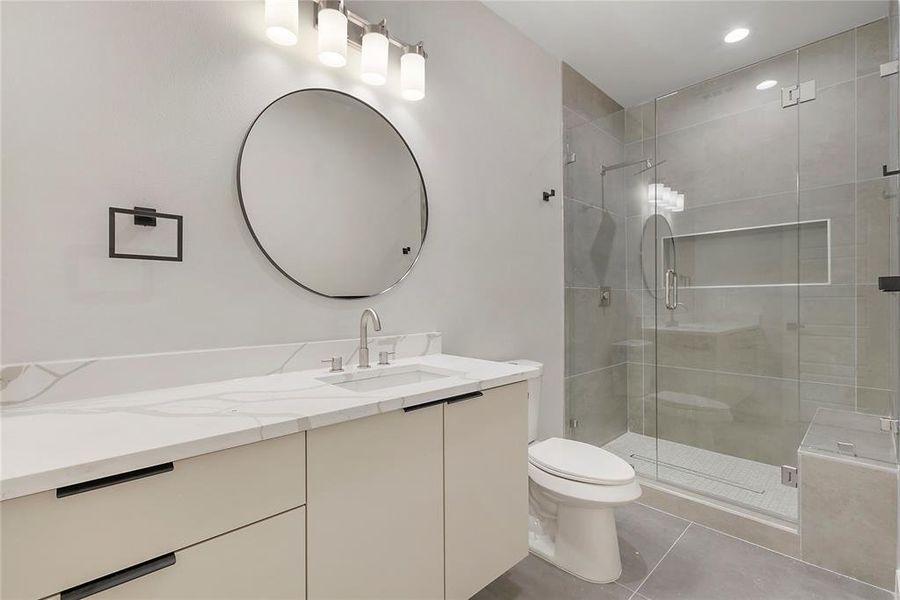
(49, 446)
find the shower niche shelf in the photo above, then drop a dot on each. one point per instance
(782, 254)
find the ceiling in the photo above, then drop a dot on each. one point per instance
(637, 50)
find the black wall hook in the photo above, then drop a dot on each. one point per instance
(548, 195)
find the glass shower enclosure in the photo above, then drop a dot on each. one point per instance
(740, 248)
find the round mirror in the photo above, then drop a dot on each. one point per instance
(332, 194)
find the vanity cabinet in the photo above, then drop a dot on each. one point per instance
(424, 503)
(376, 508)
(60, 539)
(486, 491)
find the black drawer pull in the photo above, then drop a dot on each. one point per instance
(890, 283)
(96, 484)
(118, 578)
(423, 405)
(462, 397)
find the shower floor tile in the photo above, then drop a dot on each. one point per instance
(747, 483)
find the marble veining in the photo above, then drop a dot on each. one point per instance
(49, 445)
(33, 383)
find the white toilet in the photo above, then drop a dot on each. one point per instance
(574, 489)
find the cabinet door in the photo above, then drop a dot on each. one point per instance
(375, 507)
(486, 482)
(262, 560)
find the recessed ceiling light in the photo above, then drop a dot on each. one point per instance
(736, 35)
(768, 83)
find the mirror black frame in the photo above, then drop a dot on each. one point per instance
(253, 232)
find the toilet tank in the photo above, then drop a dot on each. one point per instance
(534, 397)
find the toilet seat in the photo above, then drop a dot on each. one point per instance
(577, 461)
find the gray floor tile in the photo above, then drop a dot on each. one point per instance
(536, 579)
(708, 565)
(644, 537)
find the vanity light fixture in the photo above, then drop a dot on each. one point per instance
(736, 35)
(282, 21)
(412, 72)
(332, 22)
(375, 52)
(768, 83)
(339, 27)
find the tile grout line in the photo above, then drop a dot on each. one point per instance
(659, 562)
(788, 556)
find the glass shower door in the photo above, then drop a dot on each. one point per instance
(733, 254)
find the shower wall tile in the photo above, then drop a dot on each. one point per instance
(597, 400)
(593, 149)
(876, 102)
(594, 247)
(814, 396)
(829, 61)
(640, 122)
(875, 402)
(827, 336)
(726, 96)
(634, 237)
(582, 96)
(827, 136)
(572, 118)
(837, 204)
(764, 320)
(635, 186)
(749, 212)
(847, 512)
(594, 333)
(873, 228)
(876, 328)
(872, 47)
(641, 391)
(751, 417)
(745, 155)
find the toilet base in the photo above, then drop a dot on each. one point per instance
(580, 541)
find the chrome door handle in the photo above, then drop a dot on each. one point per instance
(671, 283)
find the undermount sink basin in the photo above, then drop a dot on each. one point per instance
(379, 378)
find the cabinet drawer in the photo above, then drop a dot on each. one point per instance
(263, 560)
(53, 541)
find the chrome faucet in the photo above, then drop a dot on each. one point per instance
(364, 335)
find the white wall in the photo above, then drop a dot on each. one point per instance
(121, 104)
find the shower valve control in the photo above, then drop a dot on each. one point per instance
(605, 297)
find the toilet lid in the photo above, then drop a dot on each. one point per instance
(578, 461)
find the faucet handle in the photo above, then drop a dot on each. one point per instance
(383, 357)
(337, 363)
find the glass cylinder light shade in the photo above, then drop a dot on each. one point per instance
(375, 51)
(282, 21)
(332, 36)
(412, 73)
